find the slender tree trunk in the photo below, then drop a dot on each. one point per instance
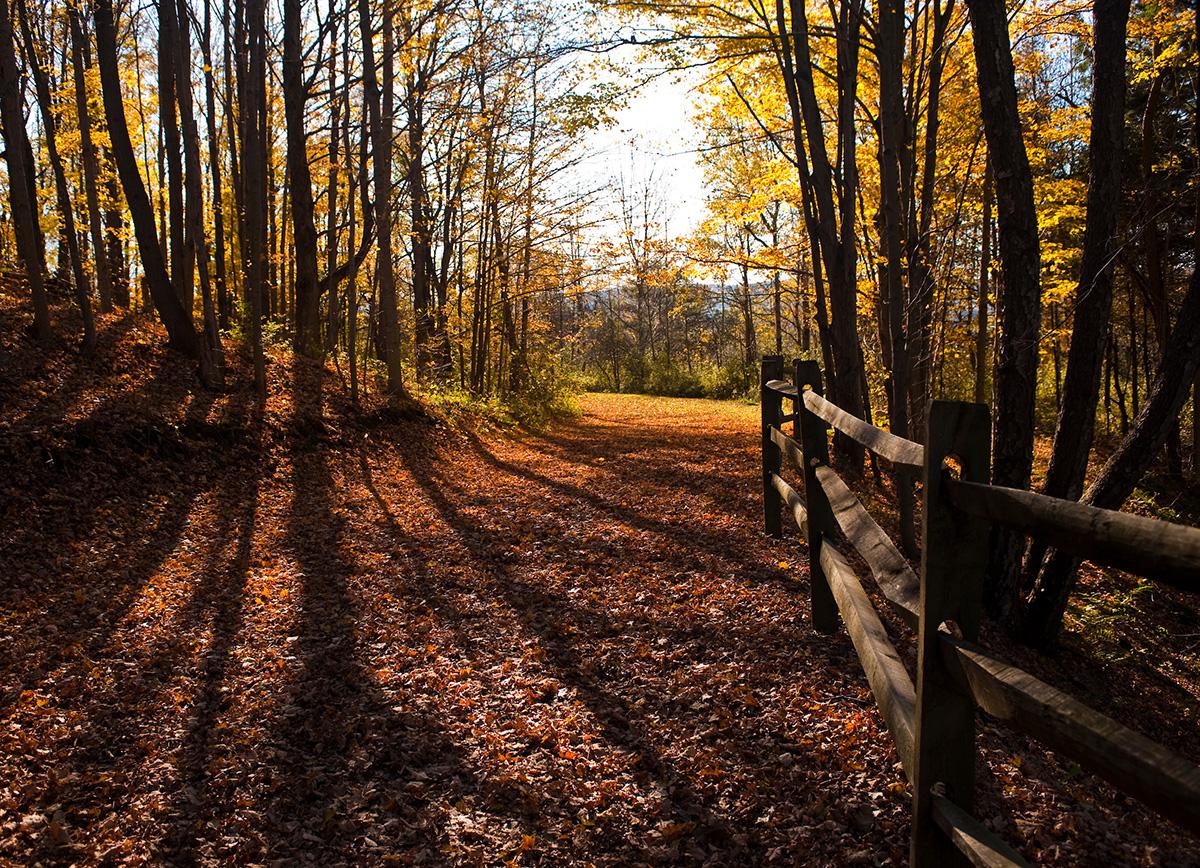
(114, 236)
(174, 316)
(421, 242)
(235, 69)
(1090, 334)
(365, 204)
(183, 254)
(91, 163)
(746, 303)
(1019, 299)
(832, 225)
(1173, 380)
(982, 356)
(304, 231)
(253, 104)
(65, 208)
(331, 233)
(272, 306)
(212, 359)
(890, 48)
(1093, 295)
(922, 281)
(22, 205)
(379, 109)
(224, 303)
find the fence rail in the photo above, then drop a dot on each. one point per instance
(931, 717)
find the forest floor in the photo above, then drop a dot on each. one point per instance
(329, 635)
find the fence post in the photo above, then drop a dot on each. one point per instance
(772, 458)
(952, 571)
(814, 443)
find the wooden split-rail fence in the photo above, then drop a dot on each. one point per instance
(932, 720)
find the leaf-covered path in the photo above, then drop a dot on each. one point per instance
(573, 645)
(312, 639)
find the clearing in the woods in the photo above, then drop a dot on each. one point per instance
(328, 636)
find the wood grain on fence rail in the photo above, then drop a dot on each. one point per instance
(783, 387)
(1141, 767)
(979, 844)
(896, 579)
(789, 447)
(889, 680)
(901, 452)
(1144, 546)
(793, 502)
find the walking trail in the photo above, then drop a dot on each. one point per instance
(386, 641)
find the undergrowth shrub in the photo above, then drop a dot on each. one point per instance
(670, 380)
(732, 380)
(543, 399)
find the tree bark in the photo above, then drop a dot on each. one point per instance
(183, 253)
(422, 249)
(224, 305)
(304, 230)
(195, 242)
(985, 269)
(1019, 298)
(22, 204)
(379, 110)
(922, 280)
(832, 225)
(175, 318)
(890, 49)
(1173, 380)
(91, 164)
(331, 232)
(253, 104)
(65, 208)
(1093, 294)
(114, 235)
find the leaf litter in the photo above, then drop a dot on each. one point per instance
(327, 635)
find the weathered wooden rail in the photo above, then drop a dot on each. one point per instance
(932, 719)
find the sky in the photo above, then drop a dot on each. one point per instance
(654, 134)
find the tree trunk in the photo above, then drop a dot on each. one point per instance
(830, 224)
(212, 358)
(1019, 299)
(224, 304)
(63, 195)
(380, 113)
(235, 61)
(91, 164)
(422, 251)
(174, 316)
(253, 105)
(22, 204)
(114, 235)
(890, 49)
(183, 253)
(331, 233)
(1173, 380)
(304, 230)
(985, 270)
(922, 281)
(1093, 295)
